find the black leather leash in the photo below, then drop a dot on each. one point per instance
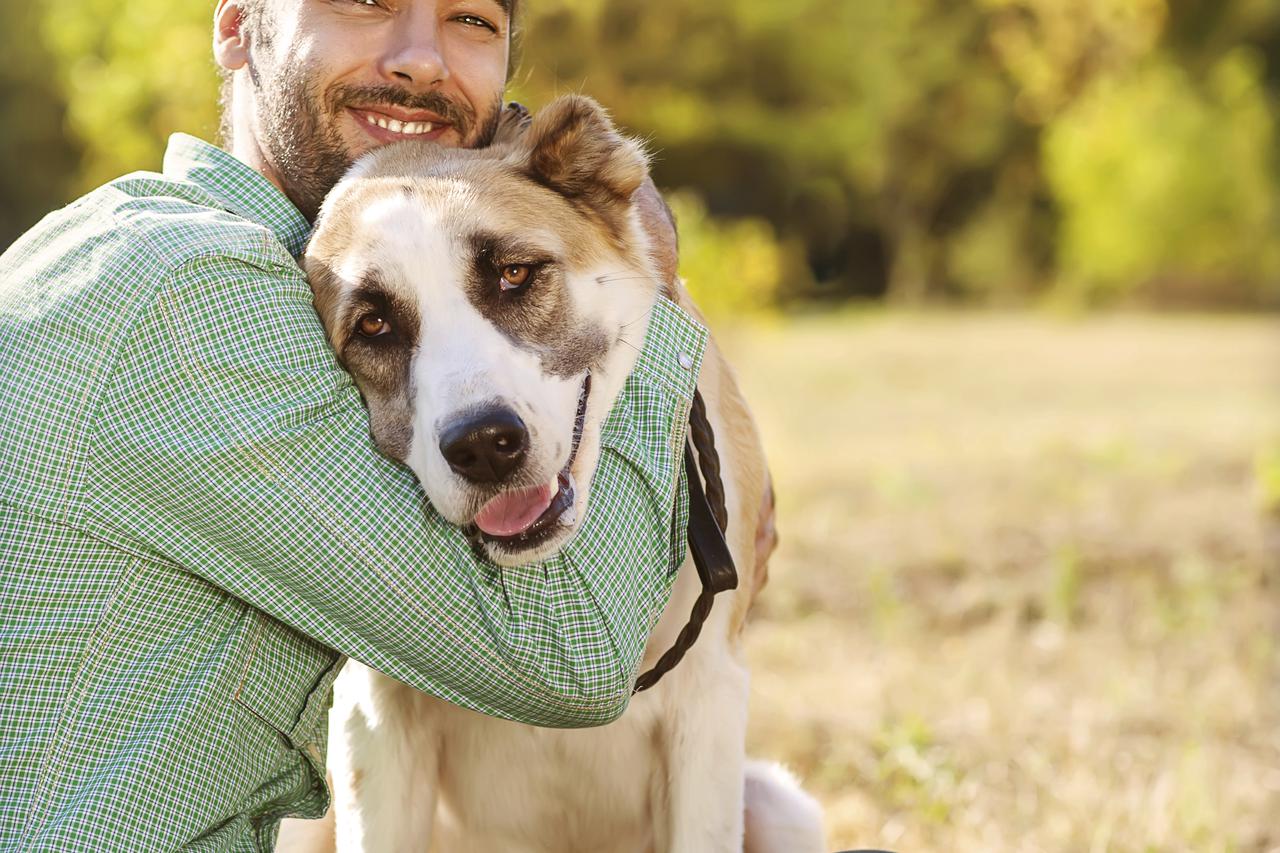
(708, 521)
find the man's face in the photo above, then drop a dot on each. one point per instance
(333, 79)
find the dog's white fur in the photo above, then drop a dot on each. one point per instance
(411, 772)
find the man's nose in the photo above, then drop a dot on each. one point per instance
(414, 55)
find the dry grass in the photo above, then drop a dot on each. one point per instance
(1026, 594)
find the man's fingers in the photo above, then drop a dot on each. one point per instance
(512, 123)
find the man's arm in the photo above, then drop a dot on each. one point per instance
(232, 443)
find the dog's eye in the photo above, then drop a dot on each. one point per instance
(515, 276)
(373, 326)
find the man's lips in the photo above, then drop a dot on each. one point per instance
(393, 124)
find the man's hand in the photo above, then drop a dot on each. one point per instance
(512, 124)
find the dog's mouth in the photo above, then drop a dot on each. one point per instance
(522, 518)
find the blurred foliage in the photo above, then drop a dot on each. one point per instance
(1267, 477)
(732, 266)
(992, 151)
(1170, 181)
(37, 158)
(131, 73)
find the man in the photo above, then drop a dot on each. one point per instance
(195, 526)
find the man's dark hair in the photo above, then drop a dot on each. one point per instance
(254, 20)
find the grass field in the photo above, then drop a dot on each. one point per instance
(1026, 597)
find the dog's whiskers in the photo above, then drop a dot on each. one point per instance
(608, 279)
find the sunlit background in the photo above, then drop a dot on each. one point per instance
(995, 275)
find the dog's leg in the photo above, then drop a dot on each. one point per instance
(383, 757)
(705, 751)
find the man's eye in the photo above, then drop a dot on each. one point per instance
(476, 21)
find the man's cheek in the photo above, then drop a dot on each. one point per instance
(486, 125)
(354, 139)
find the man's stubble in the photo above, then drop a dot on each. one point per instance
(297, 124)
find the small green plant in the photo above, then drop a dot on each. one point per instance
(1267, 476)
(1064, 596)
(913, 770)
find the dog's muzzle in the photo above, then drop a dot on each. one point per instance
(518, 519)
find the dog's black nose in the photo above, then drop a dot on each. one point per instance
(486, 446)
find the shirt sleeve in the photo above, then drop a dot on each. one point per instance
(230, 442)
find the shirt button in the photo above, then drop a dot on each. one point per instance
(686, 360)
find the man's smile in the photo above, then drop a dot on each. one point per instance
(393, 124)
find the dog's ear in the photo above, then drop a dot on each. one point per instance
(572, 147)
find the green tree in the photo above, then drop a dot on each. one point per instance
(37, 158)
(917, 148)
(833, 119)
(1054, 50)
(132, 73)
(1167, 183)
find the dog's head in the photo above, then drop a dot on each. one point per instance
(489, 305)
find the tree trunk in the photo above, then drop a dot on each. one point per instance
(911, 262)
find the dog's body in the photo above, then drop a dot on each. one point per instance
(410, 772)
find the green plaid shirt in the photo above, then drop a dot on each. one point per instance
(195, 529)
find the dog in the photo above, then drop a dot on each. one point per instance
(553, 203)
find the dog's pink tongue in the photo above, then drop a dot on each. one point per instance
(512, 512)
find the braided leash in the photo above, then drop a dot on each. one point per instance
(708, 460)
(708, 521)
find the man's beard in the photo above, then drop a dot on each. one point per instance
(299, 128)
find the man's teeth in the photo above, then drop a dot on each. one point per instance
(409, 128)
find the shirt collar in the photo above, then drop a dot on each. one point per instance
(238, 188)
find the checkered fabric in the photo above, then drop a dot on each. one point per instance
(195, 529)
